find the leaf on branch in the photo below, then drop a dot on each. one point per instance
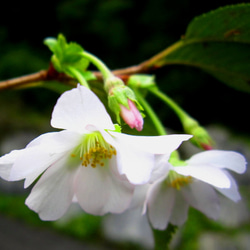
(66, 54)
(217, 42)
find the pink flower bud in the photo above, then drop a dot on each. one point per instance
(132, 116)
(206, 146)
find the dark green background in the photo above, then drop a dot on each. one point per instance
(121, 33)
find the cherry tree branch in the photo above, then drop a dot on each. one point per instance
(52, 75)
(45, 75)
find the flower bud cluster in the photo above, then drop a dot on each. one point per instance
(122, 101)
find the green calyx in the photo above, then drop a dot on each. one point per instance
(201, 138)
(177, 163)
(119, 94)
(117, 129)
(141, 81)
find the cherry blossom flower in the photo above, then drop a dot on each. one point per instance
(88, 161)
(192, 183)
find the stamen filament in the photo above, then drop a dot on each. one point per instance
(93, 150)
(177, 181)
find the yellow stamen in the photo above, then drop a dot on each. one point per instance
(93, 150)
(177, 181)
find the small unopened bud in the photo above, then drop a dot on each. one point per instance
(123, 103)
(132, 116)
(206, 146)
(141, 81)
(201, 138)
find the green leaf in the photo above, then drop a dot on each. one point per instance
(68, 58)
(51, 43)
(227, 24)
(66, 54)
(217, 42)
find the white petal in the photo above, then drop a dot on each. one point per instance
(232, 193)
(57, 141)
(152, 190)
(136, 154)
(164, 144)
(135, 164)
(77, 108)
(5, 171)
(221, 159)
(161, 167)
(212, 175)
(98, 191)
(202, 197)
(132, 162)
(38, 140)
(53, 193)
(32, 161)
(160, 204)
(7, 161)
(139, 196)
(37, 157)
(180, 211)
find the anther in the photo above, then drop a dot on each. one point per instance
(94, 150)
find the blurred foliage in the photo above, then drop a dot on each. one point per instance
(88, 228)
(83, 227)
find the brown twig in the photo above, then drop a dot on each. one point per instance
(43, 75)
(51, 74)
(48, 75)
(19, 81)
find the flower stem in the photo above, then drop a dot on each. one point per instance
(155, 119)
(163, 238)
(201, 137)
(106, 72)
(177, 109)
(76, 74)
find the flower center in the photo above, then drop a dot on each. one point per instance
(176, 180)
(93, 150)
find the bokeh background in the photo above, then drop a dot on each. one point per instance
(122, 33)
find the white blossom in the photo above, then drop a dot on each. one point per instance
(193, 183)
(88, 161)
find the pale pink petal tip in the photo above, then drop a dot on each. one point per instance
(132, 116)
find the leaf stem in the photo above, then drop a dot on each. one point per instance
(155, 119)
(152, 62)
